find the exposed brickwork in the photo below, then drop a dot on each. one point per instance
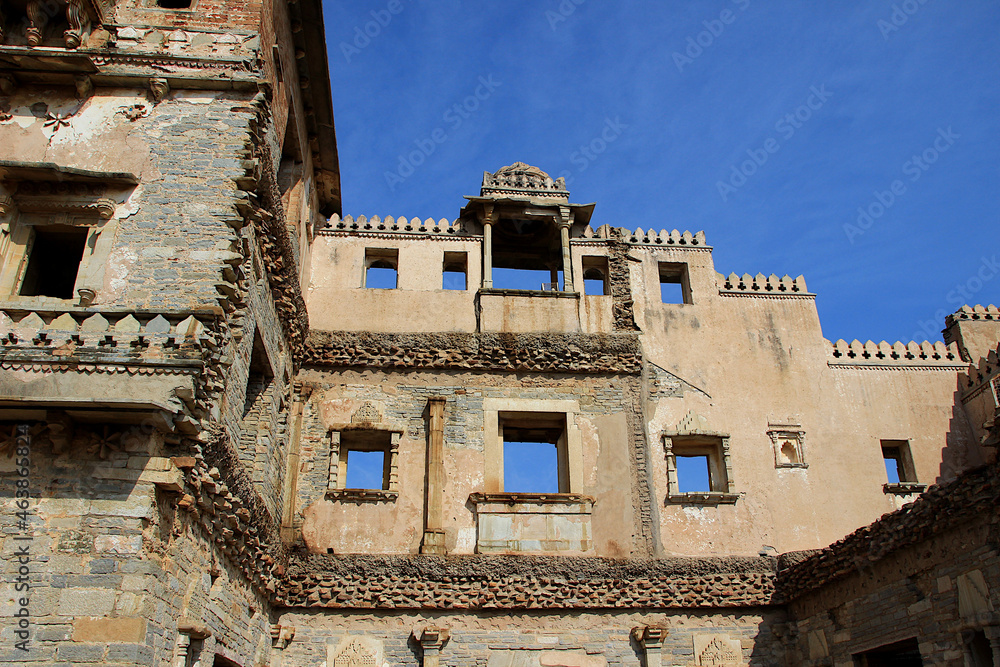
(525, 582)
(574, 353)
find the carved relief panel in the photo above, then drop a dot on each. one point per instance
(717, 651)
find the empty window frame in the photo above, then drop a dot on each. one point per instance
(364, 460)
(54, 255)
(900, 654)
(534, 453)
(455, 271)
(675, 287)
(174, 4)
(595, 276)
(699, 469)
(898, 462)
(381, 268)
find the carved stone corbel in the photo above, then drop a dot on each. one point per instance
(282, 636)
(79, 23)
(37, 20)
(431, 640)
(650, 638)
(84, 86)
(6, 205)
(158, 88)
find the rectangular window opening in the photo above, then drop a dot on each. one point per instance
(534, 453)
(546, 280)
(54, 261)
(365, 460)
(674, 284)
(898, 462)
(693, 474)
(455, 271)
(259, 379)
(174, 4)
(381, 268)
(365, 469)
(595, 276)
(901, 654)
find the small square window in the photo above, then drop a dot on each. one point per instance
(898, 463)
(455, 272)
(54, 261)
(674, 284)
(693, 475)
(363, 464)
(899, 469)
(381, 268)
(699, 469)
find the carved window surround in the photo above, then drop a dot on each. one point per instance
(373, 436)
(693, 436)
(787, 440)
(41, 194)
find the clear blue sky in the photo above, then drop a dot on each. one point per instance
(668, 98)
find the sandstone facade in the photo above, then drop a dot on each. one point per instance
(191, 351)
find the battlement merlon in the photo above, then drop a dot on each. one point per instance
(975, 329)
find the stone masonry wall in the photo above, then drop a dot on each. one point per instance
(114, 566)
(533, 638)
(928, 571)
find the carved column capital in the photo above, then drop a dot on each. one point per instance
(650, 638)
(431, 640)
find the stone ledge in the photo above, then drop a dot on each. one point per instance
(709, 498)
(904, 488)
(362, 495)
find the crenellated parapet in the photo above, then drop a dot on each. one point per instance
(392, 225)
(976, 313)
(761, 285)
(925, 355)
(664, 237)
(982, 373)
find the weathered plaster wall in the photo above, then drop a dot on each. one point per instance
(396, 527)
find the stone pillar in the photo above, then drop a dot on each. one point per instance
(433, 542)
(487, 246)
(281, 637)
(431, 639)
(650, 638)
(565, 220)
